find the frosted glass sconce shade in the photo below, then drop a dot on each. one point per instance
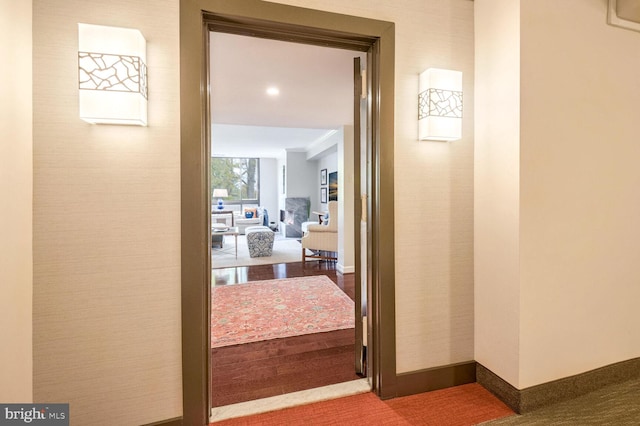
(112, 75)
(440, 105)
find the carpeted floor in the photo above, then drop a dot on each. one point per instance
(459, 406)
(615, 405)
(285, 250)
(272, 309)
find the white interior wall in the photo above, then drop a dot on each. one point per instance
(16, 192)
(579, 190)
(335, 154)
(330, 162)
(269, 187)
(282, 181)
(346, 248)
(301, 176)
(570, 253)
(323, 147)
(497, 187)
(107, 334)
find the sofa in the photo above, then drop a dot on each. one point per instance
(242, 222)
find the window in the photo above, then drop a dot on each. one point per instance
(239, 176)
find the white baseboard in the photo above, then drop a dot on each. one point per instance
(345, 269)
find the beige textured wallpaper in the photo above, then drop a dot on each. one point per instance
(106, 212)
(556, 202)
(580, 262)
(106, 227)
(434, 183)
(16, 194)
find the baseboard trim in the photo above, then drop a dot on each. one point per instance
(177, 421)
(436, 378)
(345, 269)
(529, 399)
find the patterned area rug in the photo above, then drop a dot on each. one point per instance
(272, 309)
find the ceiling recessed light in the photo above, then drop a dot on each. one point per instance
(273, 91)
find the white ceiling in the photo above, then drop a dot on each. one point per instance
(316, 94)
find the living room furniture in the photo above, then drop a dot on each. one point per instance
(243, 222)
(305, 225)
(223, 215)
(260, 241)
(217, 239)
(221, 232)
(220, 193)
(320, 216)
(322, 240)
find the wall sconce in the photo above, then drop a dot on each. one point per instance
(440, 105)
(112, 75)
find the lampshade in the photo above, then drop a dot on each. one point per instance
(112, 75)
(220, 193)
(440, 105)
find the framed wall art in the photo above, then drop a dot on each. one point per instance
(333, 186)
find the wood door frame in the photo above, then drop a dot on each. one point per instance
(259, 18)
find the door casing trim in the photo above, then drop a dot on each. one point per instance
(310, 26)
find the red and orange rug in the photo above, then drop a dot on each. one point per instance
(272, 309)
(458, 406)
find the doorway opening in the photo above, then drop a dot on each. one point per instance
(276, 21)
(282, 147)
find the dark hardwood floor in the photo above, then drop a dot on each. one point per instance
(275, 367)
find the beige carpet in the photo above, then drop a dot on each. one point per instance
(285, 250)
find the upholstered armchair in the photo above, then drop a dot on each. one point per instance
(322, 240)
(242, 222)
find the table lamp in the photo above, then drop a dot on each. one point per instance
(220, 194)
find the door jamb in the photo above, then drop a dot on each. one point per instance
(323, 28)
